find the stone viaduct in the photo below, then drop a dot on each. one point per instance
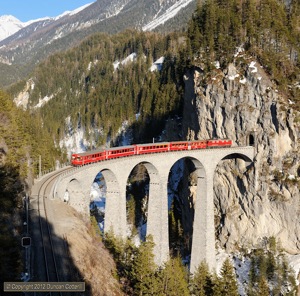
(116, 172)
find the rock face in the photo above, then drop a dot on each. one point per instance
(263, 200)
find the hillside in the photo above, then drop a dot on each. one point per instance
(21, 143)
(231, 75)
(84, 91)
(20, 52)
(81, 90)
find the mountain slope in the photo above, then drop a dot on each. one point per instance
(36, 41)
(9, 25)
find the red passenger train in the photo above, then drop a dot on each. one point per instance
(79, 159)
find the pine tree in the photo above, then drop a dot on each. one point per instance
(263, 289)
(174, 278)
(144, 270)
(114, 245)
(202, 283)
(217, 285)
(271, 265)
(228, 279)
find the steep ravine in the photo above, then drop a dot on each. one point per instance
(243, 104)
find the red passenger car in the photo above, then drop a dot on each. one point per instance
(88, 157)
(198, 144)
(152, 148)
(120, 152)
(111, 153)
(178, 146)
(219, 143)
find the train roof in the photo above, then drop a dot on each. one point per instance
(89, 152)
(141, 145)
(120, 147)
(102, 150)
(153, 144)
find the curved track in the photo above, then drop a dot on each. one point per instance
(46, 269)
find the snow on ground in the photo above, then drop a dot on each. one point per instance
(242, 268)
(253, 67)
(239, 50)
(98, 198)
(157, 65)
(9, 25)
(232, 77)
(125, 134)
(174, 179)
(74, 142)
(217, 64)
(170, 13)
(221, 256)
(294, 263)
(43, 101)
(73, 12)
(243, 80)
(131, 58)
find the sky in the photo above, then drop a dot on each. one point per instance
(26, 10)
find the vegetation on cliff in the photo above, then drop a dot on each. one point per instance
(84, 85)
(140, 276)
(88, 92)
(21, 141)
(268, 30)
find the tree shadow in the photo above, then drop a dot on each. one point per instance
(10, 225)
(17, 261)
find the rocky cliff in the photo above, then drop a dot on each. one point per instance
(242, 103)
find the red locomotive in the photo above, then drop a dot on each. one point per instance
(111, 153)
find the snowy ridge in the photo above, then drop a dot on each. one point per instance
(73, 12)
(170, 13)
(10, 25)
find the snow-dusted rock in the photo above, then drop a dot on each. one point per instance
(256, 202)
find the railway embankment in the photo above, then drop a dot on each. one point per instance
(80, 256)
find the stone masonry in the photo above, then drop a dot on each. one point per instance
(77, 183)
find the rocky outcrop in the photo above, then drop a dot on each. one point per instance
(241, 103)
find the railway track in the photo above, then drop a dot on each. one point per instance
(45, 251)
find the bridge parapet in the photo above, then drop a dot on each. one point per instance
(116, 172)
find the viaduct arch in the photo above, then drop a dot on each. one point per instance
(77, 184)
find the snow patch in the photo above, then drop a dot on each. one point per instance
(294, 263)
(253, 67)
(291, 177)
(9, 25)
(243, 80)
(73, 12)
(131, 58)
(217, 64)
(170, 13)
(43, 101)
(157, 65)
(232, 77)
(238, 51)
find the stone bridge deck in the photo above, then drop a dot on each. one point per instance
(116, 172)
